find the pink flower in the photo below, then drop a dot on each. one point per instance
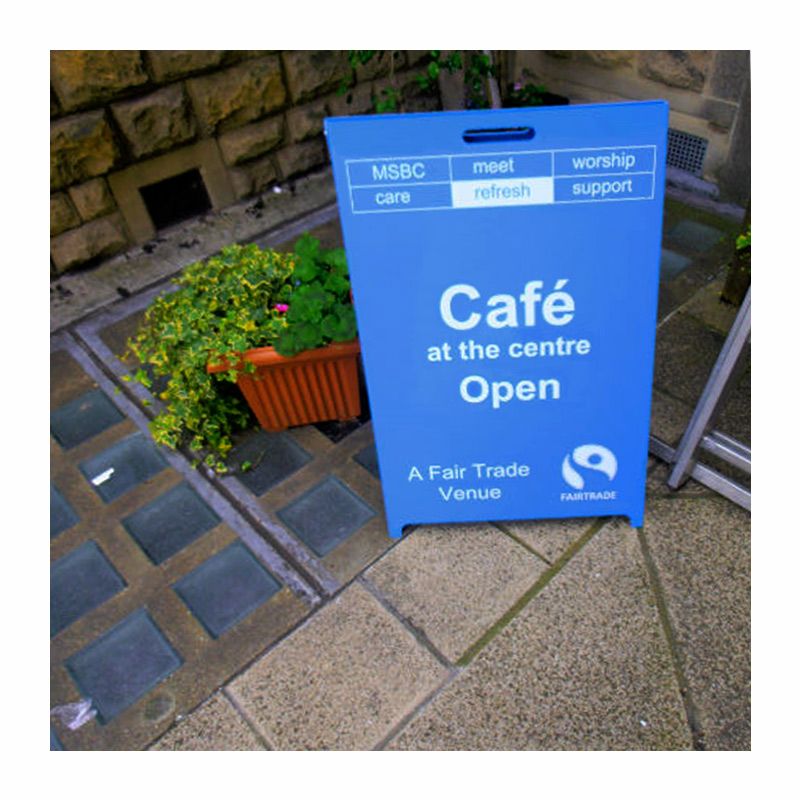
(281, 308)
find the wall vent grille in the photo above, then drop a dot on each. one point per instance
(686, 151)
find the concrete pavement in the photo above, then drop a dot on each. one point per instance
(270, 610)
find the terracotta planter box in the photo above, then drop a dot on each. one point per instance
(314, 386)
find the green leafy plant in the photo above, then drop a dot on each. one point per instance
(738, 278)
(742, 252)
(479, 68)
(521, 95)
(527, 92)
(320, 310)
(241, 298)
(427, 79)
(387, 100)
(743, 241)
(390, 99)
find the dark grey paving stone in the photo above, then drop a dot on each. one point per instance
(274, 457)
(171, 522)
(326, 515)
(735, 416)
(82, 418)
(694, 236)
(672, 264)
(368, 458)
(80, 581)
(336, 430)
(62, 514)
(225, 589)
(686, 350)
(123, 665)
(122, 466)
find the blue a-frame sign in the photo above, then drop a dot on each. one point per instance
(504, 267)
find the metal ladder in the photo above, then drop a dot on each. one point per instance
(699, 434)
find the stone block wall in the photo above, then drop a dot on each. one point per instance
(708, 92)
(122, 119)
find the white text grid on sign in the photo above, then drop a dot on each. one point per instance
(541, 177)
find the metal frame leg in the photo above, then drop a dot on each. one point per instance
(710, 403)
(698, 433)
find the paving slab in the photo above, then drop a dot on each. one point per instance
(656, 485)
(368, 458)
(587, 663)
(171, 522)
(306, 486)
(332, 507)
(548, 537)
(686, 350)
(67, 380)
(707, 306)
(82, 418)
(137, 536)
(62, 514)
(342, 681)
(326, 515)
(216, 725)
(126, 464)
(226, 589)
(584, 666)
(268, 458)
(454, 581)
(668, 417)
(123, 665)
(80, 581)
(735, 417)
(672, 264)
(701, 552)
(692, 236)
(687, 347)
(694, 230)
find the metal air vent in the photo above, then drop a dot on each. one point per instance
(686, 151)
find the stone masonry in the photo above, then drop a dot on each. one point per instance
(114, 112)
(707, 90)
(248, 120)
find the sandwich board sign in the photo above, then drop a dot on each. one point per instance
(504, 267)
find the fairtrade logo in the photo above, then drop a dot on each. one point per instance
(588, 456)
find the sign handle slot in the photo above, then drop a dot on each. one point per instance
(478, 135)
